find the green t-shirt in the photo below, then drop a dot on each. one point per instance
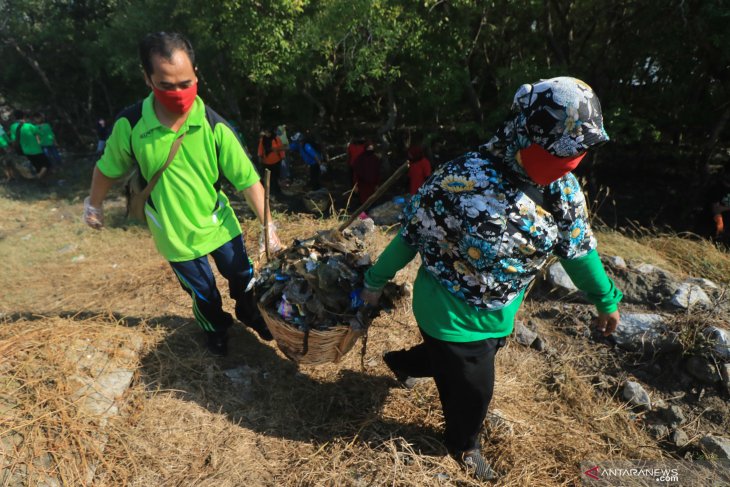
(4, 140)
(28, 138)
(446, 317)
(46, 134)
(188, 217)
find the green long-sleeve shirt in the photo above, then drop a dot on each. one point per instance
(446, 317)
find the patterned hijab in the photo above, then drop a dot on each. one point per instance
(478, 233)
(562, 115)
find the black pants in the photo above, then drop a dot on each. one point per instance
(196, 278)
(464, 375)
(39, 161)
(275, 175)
(314, 173)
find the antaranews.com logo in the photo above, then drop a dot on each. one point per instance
(668, 472)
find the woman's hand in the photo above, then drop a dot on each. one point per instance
(371, 296)
(606, 323)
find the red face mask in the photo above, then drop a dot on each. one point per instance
(543, 167)
(177, 101)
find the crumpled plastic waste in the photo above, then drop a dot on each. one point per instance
(286, 310)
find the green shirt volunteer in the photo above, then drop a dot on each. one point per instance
(4, 140)
(188, 217)
(48, 139)
(28, 138)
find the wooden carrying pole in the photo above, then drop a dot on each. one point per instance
(382, 189)
(267, 178)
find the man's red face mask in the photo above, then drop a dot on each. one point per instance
(177, 101)
(543, 167)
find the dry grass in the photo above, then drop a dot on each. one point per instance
(681, 254)
(189, 420)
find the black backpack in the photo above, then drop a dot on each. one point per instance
(16, 143)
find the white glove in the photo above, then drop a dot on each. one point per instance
(94, 217)
(274, 242)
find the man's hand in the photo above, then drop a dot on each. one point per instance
(274, 242)
(94, 217)
(606, 323)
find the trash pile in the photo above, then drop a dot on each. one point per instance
(316, 283)
(388, 213)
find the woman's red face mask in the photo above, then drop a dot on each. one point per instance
(543, 167)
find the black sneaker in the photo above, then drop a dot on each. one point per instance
(405, 380)
(476, 466)
(217, 343)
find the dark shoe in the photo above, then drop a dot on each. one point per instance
(217, 343)
(475, 465)
(405, 380)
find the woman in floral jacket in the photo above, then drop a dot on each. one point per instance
(484, 225)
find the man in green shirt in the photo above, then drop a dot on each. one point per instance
(4, 159)
(29, 143)
(48, 139)
(187, 213)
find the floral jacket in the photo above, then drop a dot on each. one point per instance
(483, 238)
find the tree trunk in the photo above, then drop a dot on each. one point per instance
(709, 148)
(476, 104)
(111, 109)
(46, 82)
(560, 54)
(387, 128)
(321, 110)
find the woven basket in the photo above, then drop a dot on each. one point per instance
(313, 347)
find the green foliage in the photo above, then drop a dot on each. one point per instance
(662, 69)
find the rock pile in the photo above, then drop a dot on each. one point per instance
(675, 336)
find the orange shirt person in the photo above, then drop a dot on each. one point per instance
(271, 153)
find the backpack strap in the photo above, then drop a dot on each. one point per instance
(133, 114)
(173, 150)
(16, 142)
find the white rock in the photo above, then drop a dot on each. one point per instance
(689, 295)
(242, 375)
(617, 261)
(721, 339)
(680, 438)
(702, 282)
(636, 395)
(559, 278)
(638, 329)
(523, 334)
(716, 445)
(652, 269)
